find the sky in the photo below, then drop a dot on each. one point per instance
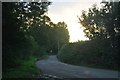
(67, 11)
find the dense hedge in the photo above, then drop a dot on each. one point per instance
(94, 53)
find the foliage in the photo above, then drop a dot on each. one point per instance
(85, 53)
(17, 43)
(102, 22)
(27, 32)
(60, 36)
(48, 35)
(101, 26)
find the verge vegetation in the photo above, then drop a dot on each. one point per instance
(94, 53)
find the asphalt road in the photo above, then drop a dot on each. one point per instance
(52, 67)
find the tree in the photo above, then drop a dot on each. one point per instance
(47, 34)
(60, 36)
(102, 22)
(93, 23)
(111, 15)
(17, 43)
(12, 38)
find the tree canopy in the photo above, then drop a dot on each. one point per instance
(102, 22)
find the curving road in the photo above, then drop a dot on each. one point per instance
(53, 67)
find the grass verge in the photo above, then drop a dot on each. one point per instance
(26, 69)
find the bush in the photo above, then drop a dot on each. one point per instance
(95, 53)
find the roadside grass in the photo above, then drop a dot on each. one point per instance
(26, 69)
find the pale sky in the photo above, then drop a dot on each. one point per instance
(67, 11)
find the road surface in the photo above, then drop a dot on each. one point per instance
(52, 67)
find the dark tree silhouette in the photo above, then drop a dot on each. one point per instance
(102, 22)
(16, 42)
